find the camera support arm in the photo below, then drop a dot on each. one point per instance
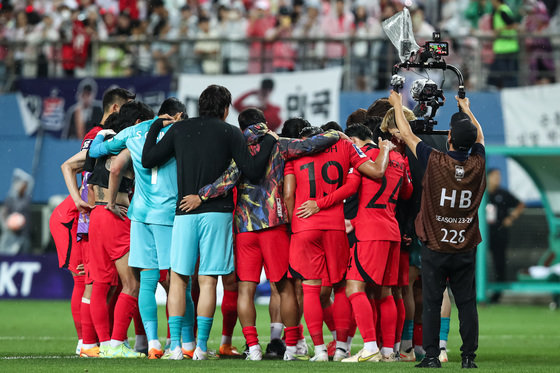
(433, 65)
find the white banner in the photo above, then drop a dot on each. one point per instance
(531, 119)
(313, 95)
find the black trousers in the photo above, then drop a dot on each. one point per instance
(459, 268)
(498, 246)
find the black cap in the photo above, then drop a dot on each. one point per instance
(463, 131)
(284, 11)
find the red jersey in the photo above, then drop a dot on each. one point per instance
(324, 177)
(378, 199)
(88, 138)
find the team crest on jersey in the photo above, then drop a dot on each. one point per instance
(459, 172)
(360, 153)
(86, 145)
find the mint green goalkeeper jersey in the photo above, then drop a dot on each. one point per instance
(155, 190)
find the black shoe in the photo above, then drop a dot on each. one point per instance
(468, 363)
(275, 349)
(429, 362)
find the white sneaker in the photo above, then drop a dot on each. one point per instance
(79, 348)
(176, 354)
(301, 348)
(339, 354)
(295, 357)
(322, 356)
(199, 354)
(407, 355)
(363, 356)
(443, 356)
(255, 355)
(388, 358)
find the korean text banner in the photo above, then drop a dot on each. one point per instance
(313, 95)
(69, 108)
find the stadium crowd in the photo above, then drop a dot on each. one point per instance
(70, 26)
(337, 221)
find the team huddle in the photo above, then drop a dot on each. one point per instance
(180, 201)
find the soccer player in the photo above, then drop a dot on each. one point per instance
(69, 227)
(447, 225)
(375, 258)
(314, 191)
(261, 230)
(151, 212)
(203, 148)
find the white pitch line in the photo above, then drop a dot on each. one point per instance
(36, 357)
(38, 338)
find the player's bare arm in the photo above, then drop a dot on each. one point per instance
(119, 165)
(290, 194)
(407, 135)
(376, 169)
(70, 168)
(465, 105)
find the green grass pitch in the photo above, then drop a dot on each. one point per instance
(38, 336)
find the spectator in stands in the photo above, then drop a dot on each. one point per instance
(235, 51)
(362, 51)
(504, 69)
(15, 216)
(260, 21)
(163, 51)
(309, 26)
(339, 23)
(539, 49)
(207, 51)
(283, 52)
(475, 10)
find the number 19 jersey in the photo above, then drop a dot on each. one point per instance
(320, 175)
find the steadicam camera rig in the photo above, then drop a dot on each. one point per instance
(429, 57)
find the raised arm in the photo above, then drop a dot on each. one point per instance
(465, 105)
(155, 154)
(70, 168)
(407, 135)
(118, 165)
(253, 167)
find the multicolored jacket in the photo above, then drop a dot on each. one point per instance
(261, 206)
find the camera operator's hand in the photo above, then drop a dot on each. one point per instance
(464, 104)
(395, 99)
(385, 144)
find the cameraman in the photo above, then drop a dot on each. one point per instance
(447, 225)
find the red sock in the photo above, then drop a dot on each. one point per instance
(328, 317)
(301, 336)
(76, 303)
(167, 315)
(124, 311)
(313, 312)
(99, 311)
(364, 316)
(400, 319)
(112, 304)
(417, 336)
(388, 321)
(292, 335)
(229, 312)
(342, 314)
(374, 305)
(251, 336)
(353, 325)
(88, 331)
(138, 324)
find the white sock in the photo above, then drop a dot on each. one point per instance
(349, 343)
(154, 344)
(371, 347)
(333, 332)
(442, 344)
(254, 348)
(342, 345)
(320, 349)
(105, 344)
(189, 346)
(386, 351)
(85, 300)
(114, 343)
(226, 339)
(406, 344)
(140, 342)
(88, 346)
(301, 341)
(291, 350)
(418, 350)
(276, 329)
(397, 347)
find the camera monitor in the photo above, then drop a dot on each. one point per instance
(439, 48)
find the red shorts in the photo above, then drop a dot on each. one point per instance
(375, 261)
(84, 245)
(268, 247)
(319, 254)
(404, 268)
(64, 225)
(109, 240)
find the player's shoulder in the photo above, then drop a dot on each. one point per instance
(92, 132)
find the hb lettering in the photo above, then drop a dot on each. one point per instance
(464, 199)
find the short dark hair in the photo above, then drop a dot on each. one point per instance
(172, 106)
(358, 116)
(310, 131)
(131, 112)
(360, 131)
(214, 101)
(379, 107)
(293, 126)
(373, 123)
(267, 84)
(116, 96)
(249, 117)
(332, 125)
